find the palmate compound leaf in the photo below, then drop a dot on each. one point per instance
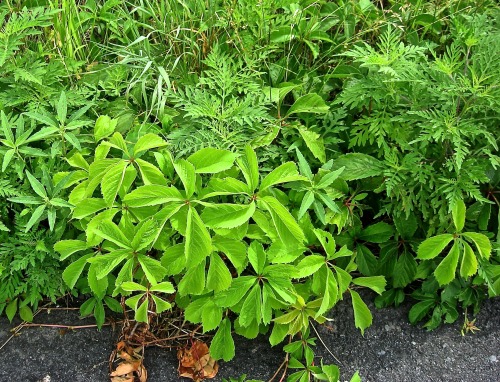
(482, 243)
(222, 346)
(218, 277)
(198, 243)
(73, 271)
(112, 181)
(468, 267)
(250, 168)
(287, 172)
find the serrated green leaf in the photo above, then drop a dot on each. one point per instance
(358, 166)
(314, 143)
(239, 288)
(26, 313)
(141, 314)
(186, 173)
(104, 264)
(211, 161)
(251, 308)
(257, 256)
(376, 233)
(148, 142)
(152, 268)
(235, 251)
(211, 316)
(7, 158)
(161, 305)
(67, 247)
(420, 310)
(193, 281)
(433, 246)
(150, 174)
(104, 127)
(458, 214)
(88, 206)
(287, 172)
(309, 103)
(35, 217)
(482, 243)
(250, 168)
(110, 231)
(362, 315)
(98, 286)
(286, 226)
(152, 195)
(73, 271)
(468, 267)
(445, 271)
(11, 309)
(227, 215)
(112, 181)
(36, 185)
(222, 346)
(174, 259)
(198, 243)
(309, 265)
(375, 283)
(164, 287)
(404, 270)
(218, 277)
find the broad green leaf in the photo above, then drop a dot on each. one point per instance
(193, 281)
(257, 257)
(141, 314)
(309, 103)
(327, 242)
(234, 250)
(227, 215)
(404, 270)
(150, 174)
(145, 235)
(250, 168)
(376, 233)
(309, 265)
(88, 206)
(211, 316)
(131, 286)
(362, 315)
(433, 246)
(406, 227)
(458, 213)
(419, 310)
(375, 283)
(98, 286)
(45, 119)
(152, 268)
(233, 295)
(148, 142)
(304, 167)
(286, 226)
(26, 199)
(104, 264)
(164, 287)
(445, 271)
(366, 260)
(329, 178)
(482, 243)
(358, 166)
(211, 161)
(174, 259)
(224, 186)
(104, 127)
(36, 185)
(198, 243)
(73, 271)
(110, 231)
(112, 181)
(251, 308)
(218, 277)
(222, 345)
(330, 293)
(314, 142)
(161, 305)
(35, 217)
(287, 172)
(468, 267)
(73, 140)
(11, 309)
(67, 247)
(278, 334)
(186, 173)
(125, 275)
(26, 313)
(152, 195)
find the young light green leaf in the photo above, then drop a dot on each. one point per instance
(112, 181)
(218, 277)
(211, 161)
(307, 201)
(445, 271)
(164, 287)
(251, 308)
(193, 281)
(433, 246)
(468, 267)
(104, 264)
(150, 174)
(222, 346)
(110, 231)
(152, 268)
(314, 142)
(362, 315)
(211, 316)
(148, 142)
(375, 283)
(286, 226)
(309, 265)
(257, 256)
(161, 305)
(73, 271)
(152, 195)
(482, 243)
(458, 213)
(186, 173)
(104, 127)
(67, 247)
(287, 172)
(227, 215)
(88, 206)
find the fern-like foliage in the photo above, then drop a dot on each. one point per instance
(225, 109)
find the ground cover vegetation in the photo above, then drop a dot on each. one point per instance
(248, 164)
